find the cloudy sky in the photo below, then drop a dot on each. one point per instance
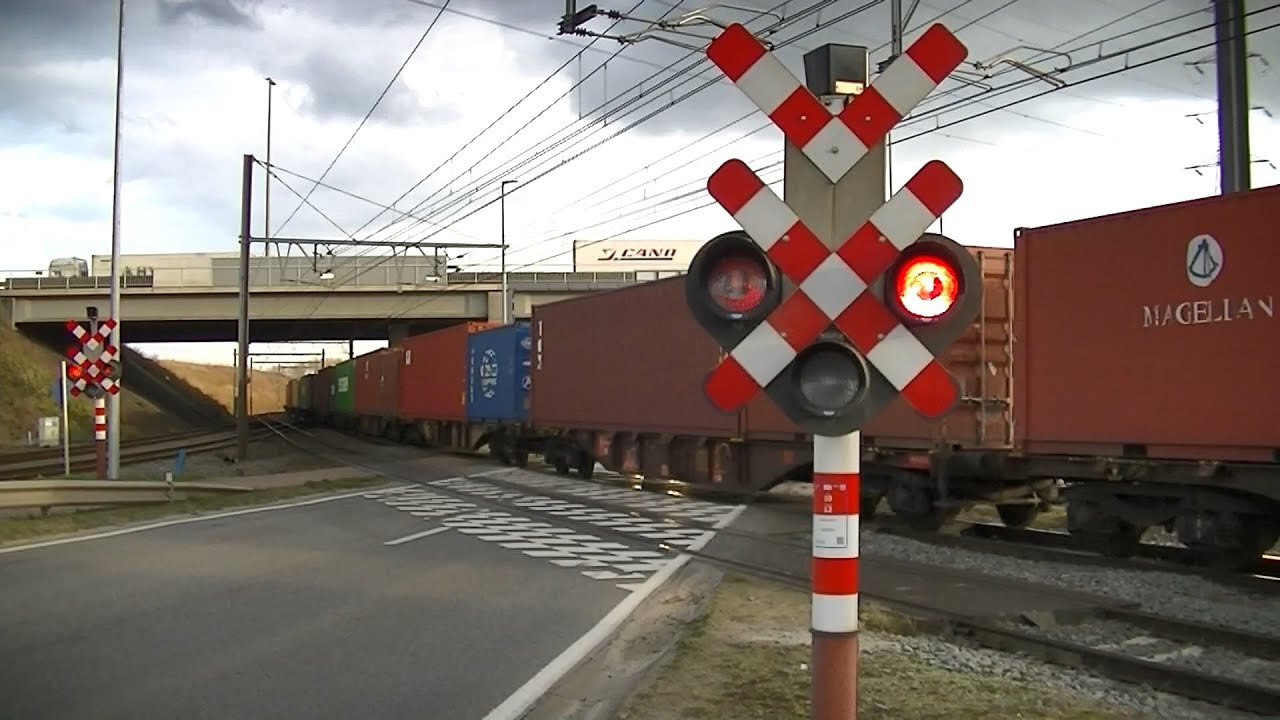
(609, 156)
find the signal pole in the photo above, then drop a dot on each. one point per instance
(112, 469)
(834, 211)
(242, 330)
(1233, 95)
(872, 302)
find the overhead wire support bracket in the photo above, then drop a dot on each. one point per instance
(985, 66)
(571, 24)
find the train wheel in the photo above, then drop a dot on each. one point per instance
(1017, 515)
(562, 466)
(1225, 540)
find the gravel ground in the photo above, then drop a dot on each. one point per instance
(266, 457)
(1170, 594)
(962, 658)
(1124, 638)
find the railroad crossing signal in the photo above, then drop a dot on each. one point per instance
(869, 318)
(98, 371)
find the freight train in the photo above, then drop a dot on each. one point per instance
(1125, 364)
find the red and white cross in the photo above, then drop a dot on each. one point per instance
(835, 143)
(832, 287)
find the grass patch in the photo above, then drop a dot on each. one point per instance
(747, 659)
(18, 529)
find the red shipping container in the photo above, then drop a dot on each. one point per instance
(1152, 332)
(980, 360)
(432, 382)
(377, 377)
(631, 359)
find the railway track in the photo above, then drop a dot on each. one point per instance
(23, 466)
(1211, 663)
(1116, 653)
(1025, 543)
(29, 453)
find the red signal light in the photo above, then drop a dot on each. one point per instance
(737, 284)
(927, 286)
(75, 372)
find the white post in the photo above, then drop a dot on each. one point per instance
(66, 422)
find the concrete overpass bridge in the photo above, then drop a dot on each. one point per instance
(290, 303)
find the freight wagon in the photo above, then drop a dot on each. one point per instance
(1124, 359)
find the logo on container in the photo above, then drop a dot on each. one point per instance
(1204, 260)
(489, 374)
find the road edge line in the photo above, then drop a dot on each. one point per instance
(527, 695)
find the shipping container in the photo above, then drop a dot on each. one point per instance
(376, 377)
(304, 392)
(291, 394)
(629, 360)
(342, 389)
(981, 360)
(498, 374)
(321, 395)
(1152, 332)
(433, 374)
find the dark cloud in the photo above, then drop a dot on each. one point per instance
(219, 12)
(343, 87)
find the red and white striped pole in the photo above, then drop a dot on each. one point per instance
(100, 434)
(834, 577)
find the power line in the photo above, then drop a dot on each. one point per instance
(502, 115)
(962, 120)
(600, 122)
(367, 115)
(1012, 103)
(672, 103)
(801, 14)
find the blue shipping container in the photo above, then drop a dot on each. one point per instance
(498, 373)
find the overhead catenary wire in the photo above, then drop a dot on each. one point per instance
(799, 15)
(506, 113)
(442, 9)
(789, 20)
(1012, 103)
(595, 125)
(1008, 105)
(368, 114)
(649, 116)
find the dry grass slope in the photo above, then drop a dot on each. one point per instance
(27, 373)
(266, 389)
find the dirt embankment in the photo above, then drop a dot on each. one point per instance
(28, 374)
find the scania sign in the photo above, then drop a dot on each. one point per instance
(654, 254)
(632, 255)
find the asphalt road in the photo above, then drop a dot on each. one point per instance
(299, 612)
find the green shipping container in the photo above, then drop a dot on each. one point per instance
(342, 391)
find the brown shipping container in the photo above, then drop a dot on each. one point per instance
(433, 374)
(632, 359)
(377, 387)
(1152, 332)
(320, 390)
(980, 360)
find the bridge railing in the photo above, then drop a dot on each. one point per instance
(296, 279)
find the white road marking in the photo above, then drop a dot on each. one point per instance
(415, 536)
(180, 521)
(528, 694)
